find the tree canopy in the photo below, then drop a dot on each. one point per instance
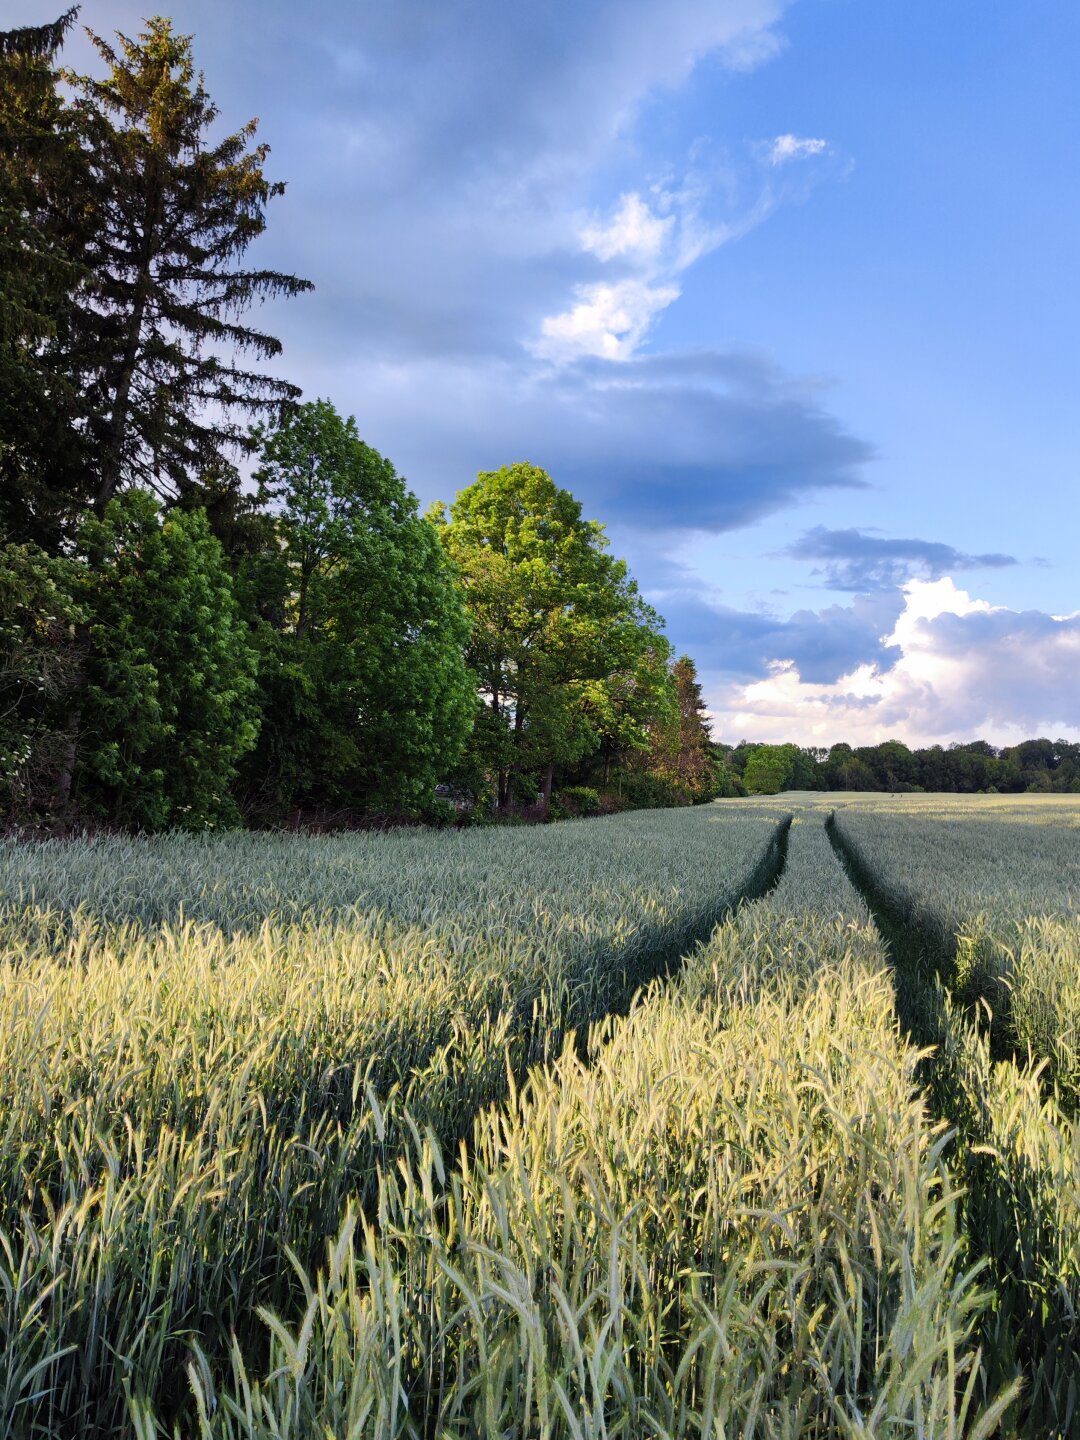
(168, 214)
(361, 620)
(562, 643)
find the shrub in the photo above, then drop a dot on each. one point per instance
(577, 800)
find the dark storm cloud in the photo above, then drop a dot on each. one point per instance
(823, 644)
(854, 560)
(644, 444)
(706, 442)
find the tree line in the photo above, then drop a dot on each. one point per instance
(218, 604)
(973, 767)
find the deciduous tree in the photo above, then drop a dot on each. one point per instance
(168, 705)
(368, 697)
(562, 643)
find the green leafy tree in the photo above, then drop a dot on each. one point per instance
(366, 693)
(728, 778)
(636, 701)
(769, 769)
(168, 212)
(40, 670)
(562, 643)
(168, 703)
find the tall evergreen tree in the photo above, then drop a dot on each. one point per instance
(169, 214)
(680, 755)
(695, 766)
(41, 474)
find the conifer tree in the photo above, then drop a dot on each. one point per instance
(680, 753)
(40, 471)
(695, 766)
(158, 344)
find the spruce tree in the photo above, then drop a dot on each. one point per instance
(41, 473)
(158, 344)
(695, 767)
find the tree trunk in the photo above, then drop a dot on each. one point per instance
(549, 776)
(519, 726)
(73, 723)
(118, 417)
(66, 777)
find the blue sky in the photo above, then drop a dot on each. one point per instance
(785, 293)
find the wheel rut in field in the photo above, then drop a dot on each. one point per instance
(539, 1042)
(1024, 1327)
(665, 962)
(915, 970)
(661, 964)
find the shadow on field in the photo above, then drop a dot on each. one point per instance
(1008, 1212)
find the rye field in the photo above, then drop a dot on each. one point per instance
(754, 1119)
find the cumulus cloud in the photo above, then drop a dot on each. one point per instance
(786, 148)
(634, 229)
(855, 560)
(609, 321)
(965, 667)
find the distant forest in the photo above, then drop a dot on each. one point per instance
(976, 767)
(220, 606)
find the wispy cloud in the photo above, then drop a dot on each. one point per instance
(634, 229)
(786, 148)
(649, 244)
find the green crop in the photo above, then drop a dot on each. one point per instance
(661, 1125)
(187, 1103)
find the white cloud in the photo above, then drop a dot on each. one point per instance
(968, 668)
(610, 318)
(608, 322)
(790, 147)
(634, 230)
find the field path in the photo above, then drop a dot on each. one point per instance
(1015, 1152)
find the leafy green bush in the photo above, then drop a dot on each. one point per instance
(440, 813)
(575, 800)
(169, 702)
(650, 792)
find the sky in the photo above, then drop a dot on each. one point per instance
(785, 293)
